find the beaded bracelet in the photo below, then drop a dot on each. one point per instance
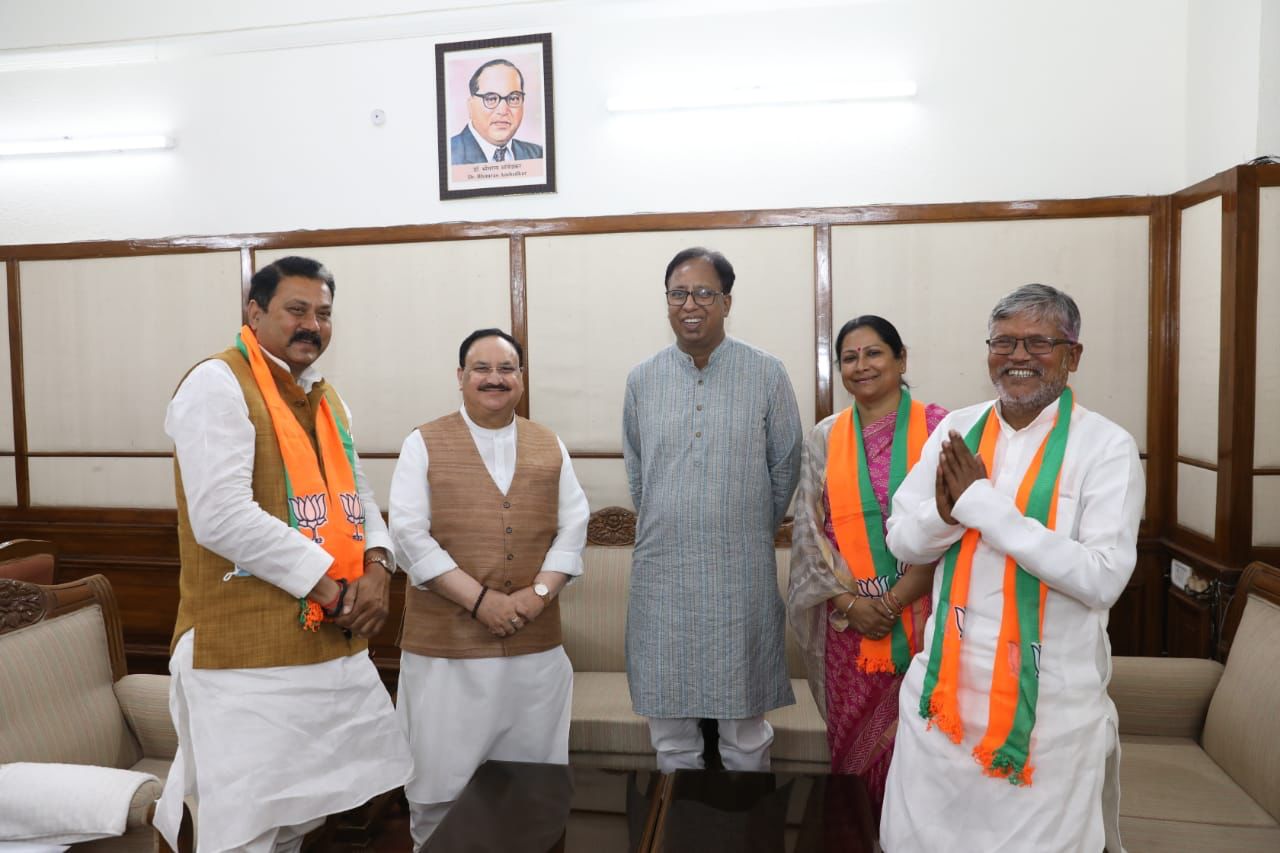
(476, 608)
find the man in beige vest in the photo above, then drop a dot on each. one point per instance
(489, 533)
(278, 726)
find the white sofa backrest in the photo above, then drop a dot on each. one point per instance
(1242, 730)
(56, 698)
(593, 611)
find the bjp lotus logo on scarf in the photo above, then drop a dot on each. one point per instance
(960, 620)
(312, 512)
(355, 512)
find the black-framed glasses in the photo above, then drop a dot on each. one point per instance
(701, 296)
(1033, 344)
(490, 99)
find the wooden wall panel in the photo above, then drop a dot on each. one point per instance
(938, 282)
(1197, 498)
(1266, 448)
(102, 481)
(8, 481)
(1266, 511)
(6, 390)
(400, 312)
(127, 329)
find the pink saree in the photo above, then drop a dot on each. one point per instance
(862, 708)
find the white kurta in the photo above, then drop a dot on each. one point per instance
(937, 797)
(459, 712)
(272, 746)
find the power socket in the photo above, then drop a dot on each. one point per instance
(1179, 574)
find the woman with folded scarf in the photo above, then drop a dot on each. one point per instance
(857, 613)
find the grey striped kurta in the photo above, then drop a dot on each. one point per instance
(712, 457)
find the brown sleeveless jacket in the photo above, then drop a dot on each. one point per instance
(243, 622)
(500, 540)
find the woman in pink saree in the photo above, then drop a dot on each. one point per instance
(843, 613)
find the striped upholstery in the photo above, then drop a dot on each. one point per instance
(1242, 731)
(605, 732)
(56, 698)
(144, 699)
(1163, 697)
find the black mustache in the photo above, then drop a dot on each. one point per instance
(487, 387)
(305, 337)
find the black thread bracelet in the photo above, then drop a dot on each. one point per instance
(476, 609)
(342, 596)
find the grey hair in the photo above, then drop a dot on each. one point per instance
(1042, 302)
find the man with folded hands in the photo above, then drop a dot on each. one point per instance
(281, 716)
(489, 522)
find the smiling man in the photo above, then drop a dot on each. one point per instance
(491, 526)
(711, 440)
(285, 562)
(1033, 502)
(495, 108)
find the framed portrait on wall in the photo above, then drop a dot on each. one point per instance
(494, 117)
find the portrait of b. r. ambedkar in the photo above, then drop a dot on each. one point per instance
(496, 108)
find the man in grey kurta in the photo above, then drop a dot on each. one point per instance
(711, 439)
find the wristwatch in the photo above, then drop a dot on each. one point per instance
(541, 590)
(381, 561)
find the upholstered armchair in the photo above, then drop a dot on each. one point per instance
(84, 747)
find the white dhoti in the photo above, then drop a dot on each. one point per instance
(276, 746)
(458, 713)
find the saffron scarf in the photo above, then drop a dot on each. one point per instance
(859, 525)
(1004, 750)
(323, 502)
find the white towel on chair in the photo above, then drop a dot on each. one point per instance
(66, 803)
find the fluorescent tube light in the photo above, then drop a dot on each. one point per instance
(84, 145)
(693, 98)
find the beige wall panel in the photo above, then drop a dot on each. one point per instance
(1197, 499)
(399, 314)
(102, 481)
(8, 482)
(596, 310)
(604, 481)
(105, 342)
(1199, 314)
(1266, 511)
(378, 472)
(937, 284)
(6, 381)
(1266, 434)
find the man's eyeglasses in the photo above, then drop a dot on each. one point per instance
(701, 296)
(490, 99)
(503, 370)
(1034, 344)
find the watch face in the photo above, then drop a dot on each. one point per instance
(540, 590)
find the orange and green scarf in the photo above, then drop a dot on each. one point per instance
(859, 526)
(322, 501)
(1004, 750)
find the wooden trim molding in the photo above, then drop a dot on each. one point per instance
(1161, 379)
(1197, 463)
(21, 470)
(520, 313)
(824, 399)
(615, 527)
(1238, 366)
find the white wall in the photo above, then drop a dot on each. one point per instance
(1017, 100)
(1223, 55)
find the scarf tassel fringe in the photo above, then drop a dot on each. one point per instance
(1000, 765)
(946, 719)
(309, 615)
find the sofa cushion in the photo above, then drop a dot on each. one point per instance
(1242, 731)
(602, 719)
(800, 735)
(1165, 778)
(56, 697)
(38, 568)
(1173, 836)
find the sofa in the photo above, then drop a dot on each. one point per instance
(1200, 741)
(604, 732)
(30, 560)
(84, 747)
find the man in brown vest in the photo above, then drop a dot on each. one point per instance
(489, 532)
(281, 717)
